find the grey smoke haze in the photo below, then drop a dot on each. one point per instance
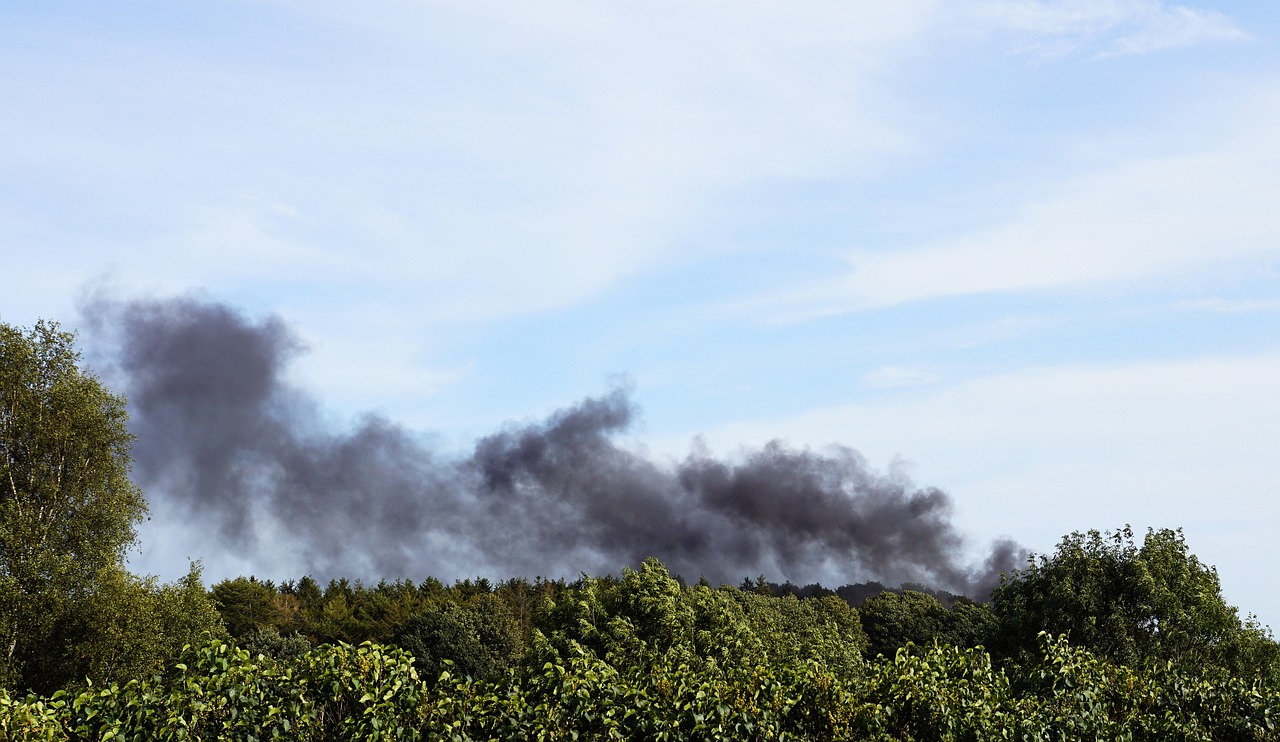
(222, 437)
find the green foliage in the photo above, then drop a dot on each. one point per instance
(332, 693)
(67, 508)
(1138, 606)
(267, 642)
(246, 605)
(971, 624)
(340, 612)
(341, 692)
(134, 626)
(480, 639)
(648, 618)
(791, 631)
(642, 657)
(942, 693)
(68, 608)
(649, 608)
(892, 620)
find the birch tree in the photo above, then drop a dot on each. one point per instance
(67, 508)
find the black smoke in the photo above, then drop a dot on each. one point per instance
(224, 440)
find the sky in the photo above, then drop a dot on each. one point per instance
(1024, 251)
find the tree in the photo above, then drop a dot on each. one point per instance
(246, 605)
(1138, 606)
(892, 619)
(68, 512)
(67, 507)
(480, 637)
(267, 641)
(133, 626)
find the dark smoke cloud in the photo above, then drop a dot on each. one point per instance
(223, 439)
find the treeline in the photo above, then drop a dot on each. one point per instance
(1141, 605)
(482, 629)
(287, 618)
(645, 657)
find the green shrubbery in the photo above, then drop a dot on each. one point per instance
(341, 692)
(643, 657)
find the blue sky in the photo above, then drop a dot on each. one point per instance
(1030, 248)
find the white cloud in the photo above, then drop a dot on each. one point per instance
(1172, 423)
(1231, 306)
(898, 377)
(501, 158)
(1140, 220)
(1104, 28)
(598, 138)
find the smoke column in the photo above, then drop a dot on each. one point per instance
(224, 440)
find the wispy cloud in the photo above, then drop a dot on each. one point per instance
(898, 377)
(1142, 219)
(1092, 444)
(554, 154)
(599, 137)
(1231, 306)
(1105, 28)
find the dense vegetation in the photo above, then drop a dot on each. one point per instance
(68, 607)
(1105, 638)
(643, 657)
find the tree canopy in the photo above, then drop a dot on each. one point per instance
(68, 513)
(68, 506)
(1135, 605)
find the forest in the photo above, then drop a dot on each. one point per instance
(1113, 635)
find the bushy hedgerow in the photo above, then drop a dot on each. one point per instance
(341, 692)
(643, 657)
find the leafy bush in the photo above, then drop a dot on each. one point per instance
(938, 692)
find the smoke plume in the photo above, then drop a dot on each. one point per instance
(224, 440)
